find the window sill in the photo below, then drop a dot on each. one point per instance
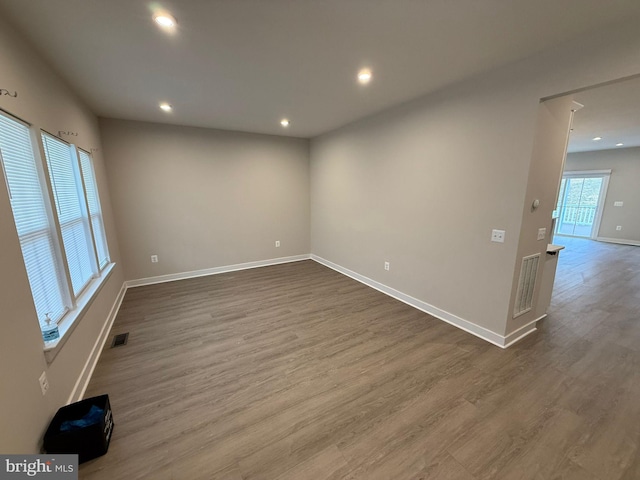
(72, 319)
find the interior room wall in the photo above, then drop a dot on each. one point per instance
(545, 170)
(423, 185)
(202, 198)
(624, 164)
(46, 102)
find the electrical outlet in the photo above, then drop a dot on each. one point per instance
(44, 383)
(154, 258)
(619, 227)
(542, 233)
(277, 243)
(386, 266)
(618, 204)
(497, 236)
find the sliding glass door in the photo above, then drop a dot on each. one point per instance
(580, 203)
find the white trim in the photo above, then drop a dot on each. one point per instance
(621, 241)
(586, 173)
(604, 188)
(214, 271)
(469, 327)
(89, 366)
(72, 318)
(501, 341)
(519, 334)
(83, 380)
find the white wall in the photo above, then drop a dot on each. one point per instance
(545, 170)
(624, 186)
(202, 198)
(46, 102)
(423, 185)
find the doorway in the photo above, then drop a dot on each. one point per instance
(580, 203)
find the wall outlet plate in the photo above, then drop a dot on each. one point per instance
(497, 236)
(154, 258)
(618, 204)
(387, 266)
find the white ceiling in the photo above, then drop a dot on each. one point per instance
(245, 64)
(611, 112)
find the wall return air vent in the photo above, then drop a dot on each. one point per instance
(526, 285)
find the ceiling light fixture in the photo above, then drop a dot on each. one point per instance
(284, 122)
(166, 107)
(619, 144)
(596, 139)
(164, 20)
(364, 76)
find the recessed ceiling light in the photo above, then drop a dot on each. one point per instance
(284, 122)
(165, 20)
(596, 139)
(619, 144)
(364, 76)
(166, 107)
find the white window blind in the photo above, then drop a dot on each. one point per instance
(71, 210)
(95, 212)
(32, 221)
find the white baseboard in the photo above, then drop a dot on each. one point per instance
(87, 371)
(522, 332)
(621, 241)
(213, 271)
(89, 366)
(469, 327)
(496, 339)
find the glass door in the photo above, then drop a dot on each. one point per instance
(578, 205)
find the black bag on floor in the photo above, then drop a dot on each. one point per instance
(82, 427)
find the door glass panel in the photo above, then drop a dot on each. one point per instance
(578, 205)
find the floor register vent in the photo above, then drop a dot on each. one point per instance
(120, 340)
(526, 285)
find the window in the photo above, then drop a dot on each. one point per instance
(95, 212)
(32, 221)
(74, 224)
(63, 242)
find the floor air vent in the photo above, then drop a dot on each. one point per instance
(526, 285)
(120, 340)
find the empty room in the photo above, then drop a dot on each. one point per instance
(320, 239)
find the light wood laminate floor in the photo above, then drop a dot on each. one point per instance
(297, 372)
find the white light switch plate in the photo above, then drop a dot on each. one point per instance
(618, 204)
(542, 233)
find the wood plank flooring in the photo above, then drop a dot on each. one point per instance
(297, 372)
